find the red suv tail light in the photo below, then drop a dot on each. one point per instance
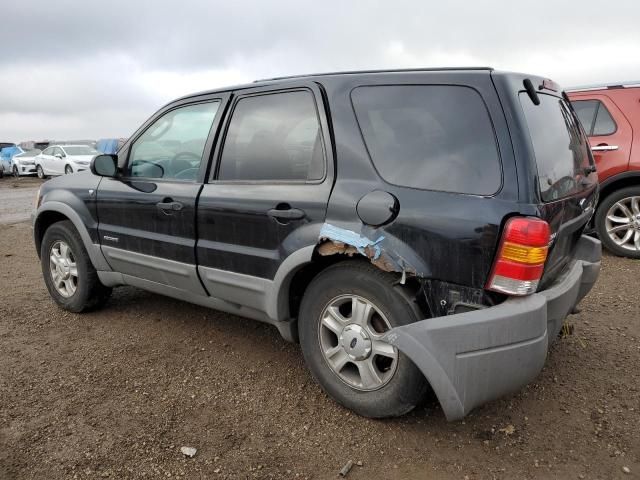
(521, 256)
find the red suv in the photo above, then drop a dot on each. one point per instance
(610, 114)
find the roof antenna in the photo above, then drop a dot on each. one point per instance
(531, 91)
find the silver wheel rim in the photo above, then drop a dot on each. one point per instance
(40, 172)
(350, 333)
(67, 170)
(63, 268)
(623, 223)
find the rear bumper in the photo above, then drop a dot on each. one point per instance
(471, 358)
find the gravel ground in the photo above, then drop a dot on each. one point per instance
(116, 393)
(16, 198)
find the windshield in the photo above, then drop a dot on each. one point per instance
(560, 146)
(80, 150)
(30, 153)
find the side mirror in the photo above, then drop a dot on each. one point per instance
(58, 156)
(104, 165)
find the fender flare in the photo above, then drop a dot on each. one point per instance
(94, 251)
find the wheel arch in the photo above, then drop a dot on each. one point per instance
(618, 182)
(53, 212)
(296, 274)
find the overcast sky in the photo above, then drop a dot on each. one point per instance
(75, 69)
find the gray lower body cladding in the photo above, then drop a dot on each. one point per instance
(471, 358)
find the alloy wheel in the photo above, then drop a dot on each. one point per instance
(63, 268)
(623, 223)
(350, 335)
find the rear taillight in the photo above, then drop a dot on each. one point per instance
(521, 256)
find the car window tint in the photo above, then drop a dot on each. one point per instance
(586, 111)
(432, 137)
(604, 122)
(560, 147)
(172, 147)
(273, 137)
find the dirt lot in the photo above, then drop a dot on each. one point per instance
(116, 393)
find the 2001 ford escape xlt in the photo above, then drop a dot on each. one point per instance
(409, 228)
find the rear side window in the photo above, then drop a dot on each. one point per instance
(594, 117)
(431, 137)
(560, 148)
(274, 137)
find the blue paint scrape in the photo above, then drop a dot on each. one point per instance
(349, 237)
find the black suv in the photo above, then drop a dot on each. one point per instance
(411, 229)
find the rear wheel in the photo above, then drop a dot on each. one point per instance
(618, 222)
(344, 314)
(40, 172)
(68, 272)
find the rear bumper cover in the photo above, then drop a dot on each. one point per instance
(471, 358)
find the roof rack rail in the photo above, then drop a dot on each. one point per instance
(355, 72)
(604, 86)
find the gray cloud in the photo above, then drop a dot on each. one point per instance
(99, 69)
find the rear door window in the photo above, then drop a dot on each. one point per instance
(605, 124)
(586, 111)
(560, 148)
(274, 137)
(431, 137)
(594, 117)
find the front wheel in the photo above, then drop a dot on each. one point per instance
(40, 172)
(618, 222)
(16, 172)
(70, 277)
(345, 312)
(68, 170)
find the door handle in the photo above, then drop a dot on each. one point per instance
(286, 213)
(169, 206)
(604, 148)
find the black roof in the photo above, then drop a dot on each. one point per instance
(276, 80)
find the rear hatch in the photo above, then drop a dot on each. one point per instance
(566, 183)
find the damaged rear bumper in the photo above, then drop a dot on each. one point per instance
(471, 358)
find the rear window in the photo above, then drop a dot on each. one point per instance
(560, 147)
(432, 137)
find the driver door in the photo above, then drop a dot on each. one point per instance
(147, 215)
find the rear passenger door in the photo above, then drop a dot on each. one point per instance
(609, 133)
(267, 197)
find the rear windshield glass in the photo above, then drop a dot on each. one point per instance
(432, 137)
(559, 145)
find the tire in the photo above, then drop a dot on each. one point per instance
(88, 293)
(40, 172)
(610, 206)
(16, 173)
(68, 170)
(403, 385)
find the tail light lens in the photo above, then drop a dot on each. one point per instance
(521, 256)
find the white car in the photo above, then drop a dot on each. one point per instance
(24, 163)
(64, 159)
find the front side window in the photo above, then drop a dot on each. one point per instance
(48, 151)
(431, 137)
(273, 137)
(173, 146)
